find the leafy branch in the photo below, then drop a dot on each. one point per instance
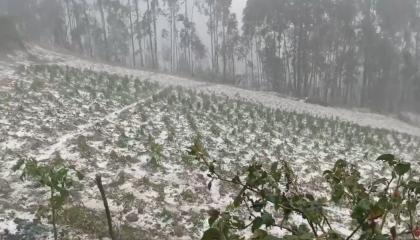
(266, 191)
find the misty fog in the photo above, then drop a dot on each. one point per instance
(209, 119)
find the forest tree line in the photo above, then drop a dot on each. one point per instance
(354, 53)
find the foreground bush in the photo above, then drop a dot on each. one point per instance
(381, 208)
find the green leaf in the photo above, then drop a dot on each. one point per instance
(380, 237)
(257, 223)
(402, 168)
(238, 223)
(384, 203)
(268, 219)
(388, 158)
(337, 193)
(340, 164)
(238, 199)
(212, 169)
(214, 215)
(334, 236)
(274, 199)
(414, 186)
(361, 210)
(274, 166)
(302, 233)
(258, 206)
(259, 235)
(412, 205)
(212, 234)
(263, 235)
(376, 212)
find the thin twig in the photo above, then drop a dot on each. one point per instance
(98, 180)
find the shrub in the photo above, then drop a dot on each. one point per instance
(384, 208)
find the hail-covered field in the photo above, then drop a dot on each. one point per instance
(135, 130)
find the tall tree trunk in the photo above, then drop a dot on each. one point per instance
(76, 33)
(191, 50)
(132, 34)
(224, 46)
(70, 28)
(139, 33)
(149, 19)
(187, 30)
(101, 10)
(417, 30)
(366, 55)
(211, 36)
(154, 5)
(216, 42)
(171, 23)
(89, 31)
(233, 69)
(252, 60)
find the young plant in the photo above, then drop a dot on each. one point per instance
(156, 152)
(55, 177)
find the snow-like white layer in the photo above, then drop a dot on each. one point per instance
(307, 152)
(61, 141)
(267, 99)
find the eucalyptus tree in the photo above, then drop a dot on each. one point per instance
(147, 20)
(173, 7)
(154, 13)
(105, 37)
(133, 50)
(118, 32)
(139, 26)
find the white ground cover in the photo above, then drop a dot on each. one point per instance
(101, 119)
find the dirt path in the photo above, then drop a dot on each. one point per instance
(62, 141)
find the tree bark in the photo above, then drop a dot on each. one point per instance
(149, 19)
(154, 4)
(101, 9)
(139, 34)
(132, 34)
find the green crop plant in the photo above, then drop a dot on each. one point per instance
(55, 177)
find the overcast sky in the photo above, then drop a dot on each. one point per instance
(237, 7)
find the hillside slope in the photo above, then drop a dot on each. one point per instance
(265, 98)
(135, 128)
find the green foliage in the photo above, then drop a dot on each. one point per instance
(273, 136)
(54, 176)
(156, 152)
(188, 195)
(268, 191)
(197, 149)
